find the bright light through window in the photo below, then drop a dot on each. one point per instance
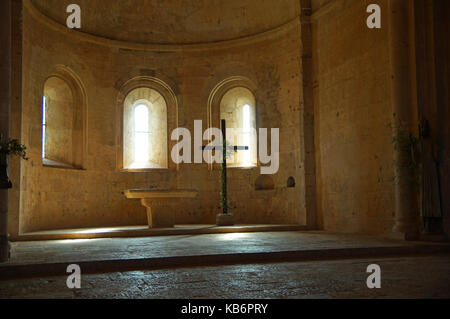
(44, 123)
(247, 131)
(141, 134)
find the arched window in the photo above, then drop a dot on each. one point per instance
(144, 130)
(63, 120)
(237, 107)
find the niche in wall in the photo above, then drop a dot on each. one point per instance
(264, 182)
(291, 182)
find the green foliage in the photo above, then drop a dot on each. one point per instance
(13, 147)
(407, 144)
(227, 153)
(224, 204)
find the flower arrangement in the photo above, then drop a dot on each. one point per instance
(13, 147)
(7, 148)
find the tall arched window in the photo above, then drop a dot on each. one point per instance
(237, 107)
(144, 130)
(63, 120)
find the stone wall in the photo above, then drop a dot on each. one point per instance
(352, 118)
(54, 198)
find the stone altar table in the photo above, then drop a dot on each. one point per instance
(160, 204)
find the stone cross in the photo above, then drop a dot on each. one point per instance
(225, 149)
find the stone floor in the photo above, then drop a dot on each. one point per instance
(406, 277)
(289, 264)
(191, 245)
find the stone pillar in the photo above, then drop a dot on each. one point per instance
(308, 114)
(406, 195)
(441, 20)
(15, 116)
(5, 98)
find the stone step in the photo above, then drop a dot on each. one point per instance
(14, 271)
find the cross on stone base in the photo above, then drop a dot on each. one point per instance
(225, 149)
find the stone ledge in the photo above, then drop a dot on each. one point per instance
(144, 231)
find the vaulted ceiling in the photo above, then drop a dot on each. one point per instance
(174, 21)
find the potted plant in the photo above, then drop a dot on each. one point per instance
(7, 148)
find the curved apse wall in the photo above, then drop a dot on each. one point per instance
(54, 198)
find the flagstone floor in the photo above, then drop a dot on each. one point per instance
(402, 277)
(81, 250)
(406, 277)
